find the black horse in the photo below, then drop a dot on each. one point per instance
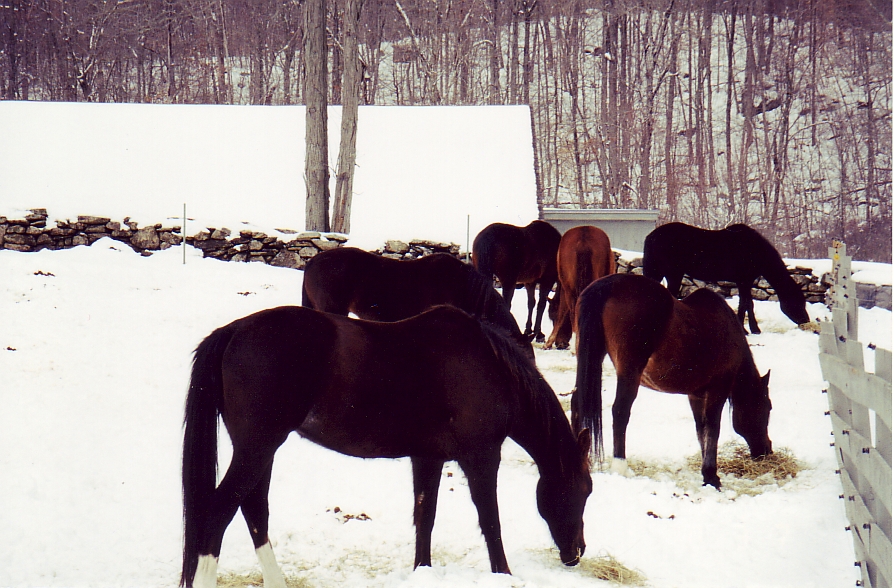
(377, 288)
(440, 386)
(520, 255)
(695, 347)
(737, 254)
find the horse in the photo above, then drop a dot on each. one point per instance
(520, 255)
(737, 254)
(585, 255)
(696, 347)
(436, 387)
(377, 288)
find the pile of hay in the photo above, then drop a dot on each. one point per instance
(735, 459)
(738, 472)
(606, 567)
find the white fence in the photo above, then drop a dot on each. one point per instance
(860, 409)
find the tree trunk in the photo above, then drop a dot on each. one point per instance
(316, 163)
(347, 153)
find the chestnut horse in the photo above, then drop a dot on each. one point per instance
(439, 386)
(737, 254)
(377, 288)
(520, 255)
(695, 347)
(585, 255)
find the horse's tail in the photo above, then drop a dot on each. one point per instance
(586, 402)
(305, 299)
(203, 406)
(652, 262)
(309, 271)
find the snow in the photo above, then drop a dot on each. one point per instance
(95, 352)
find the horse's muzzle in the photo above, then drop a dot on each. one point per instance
(573, 561)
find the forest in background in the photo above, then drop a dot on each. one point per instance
(776, 113)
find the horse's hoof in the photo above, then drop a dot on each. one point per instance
(715, 483)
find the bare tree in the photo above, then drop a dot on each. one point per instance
(316, 163)
(347, 153)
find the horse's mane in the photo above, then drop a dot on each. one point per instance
(775, 270)
(523, 372)
(707, 299)
(482, 301)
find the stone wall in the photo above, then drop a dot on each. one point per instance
(32, 233)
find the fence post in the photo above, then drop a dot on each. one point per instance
(860, 410)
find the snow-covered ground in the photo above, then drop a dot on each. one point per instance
(95, 349)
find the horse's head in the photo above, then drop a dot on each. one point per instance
(561, 498)
(794, 307)
(751, 417)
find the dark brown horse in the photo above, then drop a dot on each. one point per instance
(585, 255)
(378, 288)
(440, 386)
(695, 347)
(737, 254)
(520, 255)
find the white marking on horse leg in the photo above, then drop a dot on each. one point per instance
(273, 577)
(206, 573)
(619, 466)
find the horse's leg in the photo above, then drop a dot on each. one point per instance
(481, 471)
(256, 511)
(697, 404)
(247, 468)
(626, 391)
(708, 412)
(426, 482)
(531, 303)
(545, 290)
(746, 306)
(674, 282)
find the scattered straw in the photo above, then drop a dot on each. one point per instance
(254, 579)
(606, 567)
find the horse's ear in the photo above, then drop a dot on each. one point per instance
(765, 379)
(584, 442)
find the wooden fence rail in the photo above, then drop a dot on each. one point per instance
(860, 409)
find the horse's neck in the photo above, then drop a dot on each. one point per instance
(776, 272)
(747, 380)
(547, 440)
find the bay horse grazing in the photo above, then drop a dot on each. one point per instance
(376, 288)
(585, 255)
(737, 254)
(520, 255)
(695, 347)
(439, 386)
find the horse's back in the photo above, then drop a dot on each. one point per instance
(524, 252)
(499, 248)
(675, 249)
(331, 278)
(624, 302)
(409, 387)
(585, 247)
